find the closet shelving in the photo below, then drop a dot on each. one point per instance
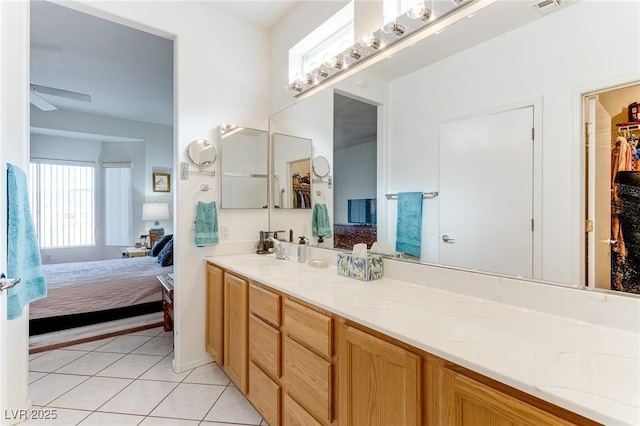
(628, 127)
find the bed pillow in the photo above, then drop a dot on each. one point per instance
(159, 245)
(165, 258)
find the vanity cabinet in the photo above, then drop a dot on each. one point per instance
(301, 365)
(235, 330)
(215, 313)
(379, 382)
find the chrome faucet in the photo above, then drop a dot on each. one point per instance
(278, 249)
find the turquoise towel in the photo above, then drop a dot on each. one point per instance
(320, 221)
(206, 224)
(23, 257)
(409, 229)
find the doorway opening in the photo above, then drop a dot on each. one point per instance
(612, 176)
(102, 99)
(355, 145)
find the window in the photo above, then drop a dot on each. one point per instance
(118, 204)
(62, 204)
(327, 39)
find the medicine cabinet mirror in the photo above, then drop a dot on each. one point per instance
(243, 167)
(291, 172)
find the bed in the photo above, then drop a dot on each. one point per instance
(82, 293)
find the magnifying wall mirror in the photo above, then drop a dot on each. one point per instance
(202, 153)
(321, 166)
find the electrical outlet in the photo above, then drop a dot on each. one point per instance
(225, 232)
(306, 230)
(47, 258)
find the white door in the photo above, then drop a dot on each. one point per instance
(14, 148)
(486, 193)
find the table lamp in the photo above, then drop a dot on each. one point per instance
(155, 212)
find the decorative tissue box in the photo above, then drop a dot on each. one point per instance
(361, 268)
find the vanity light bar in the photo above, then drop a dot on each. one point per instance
(370, 44)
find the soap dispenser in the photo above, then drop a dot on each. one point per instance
(302, 250)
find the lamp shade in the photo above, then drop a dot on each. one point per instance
(155, 211)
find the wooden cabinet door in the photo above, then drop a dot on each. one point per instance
(379, 382)
(236, 315)
(215, 313)
(472, 403)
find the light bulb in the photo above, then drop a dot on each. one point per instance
(350, 51)
(304, 79)
(367, 39)
(418, 10)
(333, 62)
(395, 28)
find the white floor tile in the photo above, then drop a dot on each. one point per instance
(189, 401)
(109, 419)
(161, 421)
(36, 355)
(91, 394)
(233, 407)
(208, 374)
(124, 344)
(90, 364)
(223, 424)
(140, 397)
(34, 375)
(52, 386)
(164, 371)
(57, 417)
(130, 366)
(156, 346)
(90, 346)
(51, 361)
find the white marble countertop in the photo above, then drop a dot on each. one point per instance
(586, 368)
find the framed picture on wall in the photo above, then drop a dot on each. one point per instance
(161, 182)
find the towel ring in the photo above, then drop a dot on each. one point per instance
(205, 189)
(320, 194)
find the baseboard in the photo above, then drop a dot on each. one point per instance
(190, 365)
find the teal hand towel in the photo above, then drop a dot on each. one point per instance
(23, 253)
(206, 224)
(409, 229)
(320, 224)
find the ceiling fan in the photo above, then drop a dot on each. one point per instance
(44, 105)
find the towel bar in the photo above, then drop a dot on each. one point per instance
(432, 194)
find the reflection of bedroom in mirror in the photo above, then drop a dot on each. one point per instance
(354, 172)
(99, 154)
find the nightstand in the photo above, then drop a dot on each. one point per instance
(134, 252)
(167, 299)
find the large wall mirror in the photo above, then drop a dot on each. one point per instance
(462, 147)
(243, 165)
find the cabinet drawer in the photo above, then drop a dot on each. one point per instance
(264, 345)
(309, 327)
(265, 304)
(295, 415)
(309, 380)
(264, 394)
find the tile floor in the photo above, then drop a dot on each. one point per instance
(128, 380)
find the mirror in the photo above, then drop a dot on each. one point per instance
(243, 167)
(291, 172)
(321, 166)
(202, 153)
(429, 88)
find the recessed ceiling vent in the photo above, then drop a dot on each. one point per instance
(545, 6)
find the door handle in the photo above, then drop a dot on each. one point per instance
(7, 283)
(448, 239)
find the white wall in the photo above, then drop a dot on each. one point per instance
(149, 147)
(556, 58)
